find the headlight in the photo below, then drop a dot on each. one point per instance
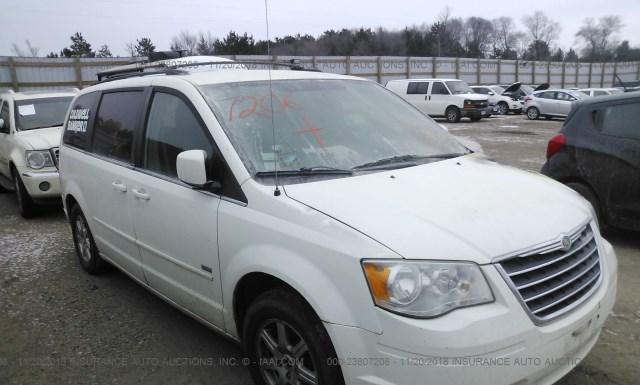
(39, 159)
(426, 289)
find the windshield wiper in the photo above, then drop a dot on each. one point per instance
(304, 171)
(45, 126)
(410, 160)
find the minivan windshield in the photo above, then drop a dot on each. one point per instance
(32, 114)
(459, 87)
(330, 125)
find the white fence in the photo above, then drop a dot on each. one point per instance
(37, 73)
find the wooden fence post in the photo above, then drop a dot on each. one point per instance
(517, 70)
(533, 72)
(313, 62)
(478, 72)
(615, 73)
(348, 64)
(14, 74)
(499, 74)
(549, 72)
(577, 73)
(408, 64)
(457, 68)
(564, 72)
(590, 72)
(379, 68)
(602, 74)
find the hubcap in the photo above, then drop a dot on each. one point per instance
(83, 240)
(532, 113)
(502, 109)
(283, 355)
(452, 115)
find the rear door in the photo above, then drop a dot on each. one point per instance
(106, 178)
(547, 102)
(176, 225)
(416, 94)
(620, 171)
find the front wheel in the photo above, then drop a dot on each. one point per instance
(286, 342)
(533, 113)
(452, 114)
(26, 206)
(503, 108)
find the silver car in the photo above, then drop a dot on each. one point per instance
(550, 103)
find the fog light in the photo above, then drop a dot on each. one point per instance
(44, 186)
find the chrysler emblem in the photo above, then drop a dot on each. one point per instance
(566, 243)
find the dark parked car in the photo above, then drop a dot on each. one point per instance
(597, 153)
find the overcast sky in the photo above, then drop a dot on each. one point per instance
(48, 23)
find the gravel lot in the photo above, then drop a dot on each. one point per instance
(59, 325)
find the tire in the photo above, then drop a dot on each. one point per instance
(475, 119)
(533, 113)
(503, 108)
(305, 350)
(84, 244)
(590, 196)
(26, 206)
(452, 114)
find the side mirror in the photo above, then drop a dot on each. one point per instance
(192, 169)
(491, 93)
(2, 127)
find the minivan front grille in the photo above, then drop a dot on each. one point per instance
(56, 155)
(557, 279)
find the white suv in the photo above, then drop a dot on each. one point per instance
(449, 98)
(30, 126)
(502, 104)
(333, 229)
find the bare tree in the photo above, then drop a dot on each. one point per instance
(185, 41)
(31, 50)
(477, 36)
(598, 37)
(542, 30)
(131, 49)
(506, 38)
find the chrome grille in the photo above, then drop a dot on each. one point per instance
(554, 280)
(56, 155)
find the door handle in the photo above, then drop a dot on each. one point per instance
(119, 186)
(141, 194)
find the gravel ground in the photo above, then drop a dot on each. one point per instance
(59, 325)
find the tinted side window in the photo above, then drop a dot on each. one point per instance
(417, 88)
(600, 93)
(564, 96)
(172, 128)
(620, 120)
(77, 131)
(479, 90)
(116, 122)
(439, 89)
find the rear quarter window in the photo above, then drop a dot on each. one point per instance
(619, 120)
(77, 130)
(417, 88)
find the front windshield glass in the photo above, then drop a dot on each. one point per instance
(497, 89)
(459, 87)
(323, 123)
(32, 114)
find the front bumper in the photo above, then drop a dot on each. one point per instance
(493, 344)
(33, 182)
(476, 112)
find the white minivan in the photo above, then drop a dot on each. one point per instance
(449, 98)
(333, 229)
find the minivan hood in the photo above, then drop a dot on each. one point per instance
(466, 208)
(42, 138)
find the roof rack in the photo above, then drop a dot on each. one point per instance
(138, 69)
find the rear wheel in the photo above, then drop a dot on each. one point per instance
(452, 114)
(26, 206)
(533, 113)
(503, 108)
(590, 196)
(85, 245)
(287, 343)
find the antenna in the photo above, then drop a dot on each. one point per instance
(276, 192)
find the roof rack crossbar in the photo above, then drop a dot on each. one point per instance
(173, 69)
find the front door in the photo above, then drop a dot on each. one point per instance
(176, 225)
(439, 99)
(563, 103)
(5, 139)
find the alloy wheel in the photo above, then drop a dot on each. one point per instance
(83, 239)
(284, 356)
